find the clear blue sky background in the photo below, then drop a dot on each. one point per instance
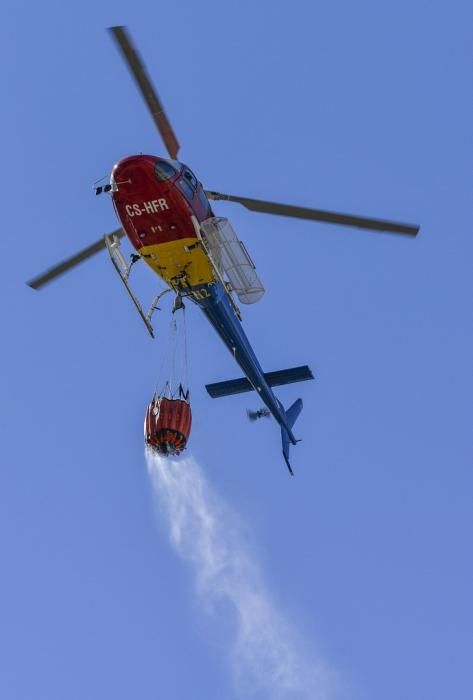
(362, 107)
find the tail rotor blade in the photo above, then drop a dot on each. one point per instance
(255, 415)
(149, 94)
(327, 217)
(69, 263)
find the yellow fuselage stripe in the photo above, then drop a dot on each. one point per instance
(171, 259)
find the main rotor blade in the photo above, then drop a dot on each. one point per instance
(65, 265)
(150, 96)
(328, 217)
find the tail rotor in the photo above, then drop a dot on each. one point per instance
(261, 413)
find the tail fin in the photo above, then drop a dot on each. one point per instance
(292, 415)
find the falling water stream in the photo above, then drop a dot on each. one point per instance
(268, 657)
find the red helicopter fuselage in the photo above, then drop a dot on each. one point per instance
(160, 203)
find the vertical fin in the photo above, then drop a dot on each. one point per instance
(292, 415)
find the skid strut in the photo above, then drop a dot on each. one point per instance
(123, 269)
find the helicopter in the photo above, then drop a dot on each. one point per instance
(166, 214)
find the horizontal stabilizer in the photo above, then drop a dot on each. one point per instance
(239, 386)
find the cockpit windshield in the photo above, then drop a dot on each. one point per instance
(166, 169)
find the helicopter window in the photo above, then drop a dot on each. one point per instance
(191, 178)
(186, 188)
(203, 198)
(164, 170)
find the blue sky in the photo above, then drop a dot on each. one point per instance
(364, 108)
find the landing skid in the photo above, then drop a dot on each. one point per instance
(123, 269)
